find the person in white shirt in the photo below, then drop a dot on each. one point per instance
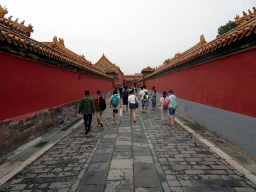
(171, 110)
(132, 105)
(144, 104)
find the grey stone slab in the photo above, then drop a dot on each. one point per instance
(146, 180)
(119, 186)
(120, 174)
(143, 159)
(230, 183)
(91, 188)
(121, 164)
(140, 189)
(244, 189)
(106, 145)
(141, 151)
(208, 189)
(101, 158)
(122, 155)
(98, 178)
(203, 182)
(145, 168)
(123, 146)
(107, 140)
(98, 167)
(104, 151)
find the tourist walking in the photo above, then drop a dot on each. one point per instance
(164, 101)
(171, 108)
(132, 105)
(87, 108)
(144, 98)
(153, 98)
(120, 90)
(100, 105)
(114, 101)
(124, 96)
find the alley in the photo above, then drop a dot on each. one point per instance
(129, 156)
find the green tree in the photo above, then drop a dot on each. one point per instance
(224, 29)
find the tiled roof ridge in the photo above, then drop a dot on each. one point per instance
(65, 50)
(14, 25)
(233, 35)
(148, 69)
(104, 57)
(28, 43)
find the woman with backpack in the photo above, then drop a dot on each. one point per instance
(115, 99)
(164, 102)
(132, 105)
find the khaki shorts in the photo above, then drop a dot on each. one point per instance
(99, 114)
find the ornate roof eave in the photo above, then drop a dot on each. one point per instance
(14, 25)
(232, 36)
(104, 57)
(148, 69)
(21, 40)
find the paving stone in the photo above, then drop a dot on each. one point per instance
(101, 158)
(91, 188)
(143, 159)
(96, 178)
(122, 155)
(244, 189)
(104, 150)
(176, 189)
(60, 185)
(146, 180)
(207, 188)
(174, 183)
(121, 164)
(121, 174)
(123, 143)
(119, 186)
(148, 189)
(145, 168)
(194, 172)
(98, 167)
(140, 145)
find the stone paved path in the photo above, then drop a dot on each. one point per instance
(128, 156)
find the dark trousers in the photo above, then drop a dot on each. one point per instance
(86, 118)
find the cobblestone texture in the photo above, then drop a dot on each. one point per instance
(128, 156)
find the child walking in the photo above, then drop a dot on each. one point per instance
(115, 100)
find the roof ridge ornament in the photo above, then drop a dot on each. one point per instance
(3, 11)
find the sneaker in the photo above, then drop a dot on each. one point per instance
(101, 124)
(98, 125)
(171, 124)
(134, 120)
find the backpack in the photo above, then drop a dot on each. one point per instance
(125, 95)
(146, 96)
(174, 103)
(102, 104)
(114, 100)
(166, 105)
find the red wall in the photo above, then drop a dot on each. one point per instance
(227, 83)
(121, 77)
(27, 86)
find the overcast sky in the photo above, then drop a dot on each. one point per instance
(133, 34)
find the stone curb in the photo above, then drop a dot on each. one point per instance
(219, 152)
(36, 155)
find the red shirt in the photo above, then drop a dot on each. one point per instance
(97, 101)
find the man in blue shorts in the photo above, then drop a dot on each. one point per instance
(144, 102)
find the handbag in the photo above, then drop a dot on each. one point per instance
(136, 102)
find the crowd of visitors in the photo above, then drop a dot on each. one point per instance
(89, 106)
